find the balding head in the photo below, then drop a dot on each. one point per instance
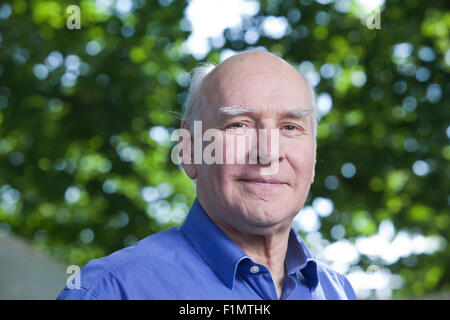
(209, 82)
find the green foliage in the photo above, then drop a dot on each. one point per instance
(79, 169)
(78, 154)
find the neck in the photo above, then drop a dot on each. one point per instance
(268, 249)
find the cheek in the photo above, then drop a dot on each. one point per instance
(216, 176)
(302, 160)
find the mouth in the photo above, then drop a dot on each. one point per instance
(263, 181)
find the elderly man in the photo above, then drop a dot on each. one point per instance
(237, 241)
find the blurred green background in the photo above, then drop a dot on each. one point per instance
(86, 117)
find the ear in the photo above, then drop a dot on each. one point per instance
(315, 155)
(188, 167)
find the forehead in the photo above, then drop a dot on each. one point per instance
(264, 90)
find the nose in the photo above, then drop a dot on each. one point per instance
(268, 146)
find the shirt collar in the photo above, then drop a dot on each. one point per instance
(215, 247)
(224, 256)
(299, 261)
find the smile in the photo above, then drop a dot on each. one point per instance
(263, 182)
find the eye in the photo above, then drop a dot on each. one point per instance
(236, 125)
(293, 129)
(239, 127)
(290, 127)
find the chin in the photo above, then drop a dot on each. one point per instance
(265, 216)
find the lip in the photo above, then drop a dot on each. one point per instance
(262, 181)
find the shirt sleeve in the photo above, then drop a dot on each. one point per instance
(77, 294)
(105, 287)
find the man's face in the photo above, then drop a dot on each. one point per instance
(252, 197)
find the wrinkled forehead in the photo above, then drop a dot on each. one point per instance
(261, 84)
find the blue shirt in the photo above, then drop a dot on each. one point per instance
(199, 261)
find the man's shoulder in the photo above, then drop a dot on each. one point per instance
(151, 247)
(333, 280)
(129, 263)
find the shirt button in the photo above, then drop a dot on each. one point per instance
(254, 269)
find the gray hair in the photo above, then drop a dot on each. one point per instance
(194, 96)
(312, 94)
(198, 74)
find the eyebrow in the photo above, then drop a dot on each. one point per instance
(232, 111)
(297, 114)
